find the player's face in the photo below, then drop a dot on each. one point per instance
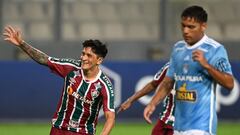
(89, 59)
(192, 30)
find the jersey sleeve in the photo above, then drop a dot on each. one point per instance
(170, 71)
(62, 66)
(108, 96)
(161, 73)
(220, 60)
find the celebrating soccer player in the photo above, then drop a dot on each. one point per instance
(86, 87)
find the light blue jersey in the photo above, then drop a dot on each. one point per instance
(195, 96)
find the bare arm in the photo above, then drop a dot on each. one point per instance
(224, 79)
(165, 88)
(14, 36)
(144, 91)
(110, 120)
(34, 53)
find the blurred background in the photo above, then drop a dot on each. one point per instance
(140, 35)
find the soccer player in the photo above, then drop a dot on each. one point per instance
(197, 63)
(164, 125)
(86, 87)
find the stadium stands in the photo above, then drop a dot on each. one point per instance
(33, 17)
(132, 21)
(124, 17)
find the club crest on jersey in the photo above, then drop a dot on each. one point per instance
(187, 58)
(186, 95)
(95, 92)
(185, 68)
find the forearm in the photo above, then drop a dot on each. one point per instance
(144, 91)
(108, 125)
(34, 53)
(224, 79)
(165, 88)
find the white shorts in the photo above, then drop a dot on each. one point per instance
(191, 132)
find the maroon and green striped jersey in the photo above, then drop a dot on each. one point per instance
(81, 99)
(167, 113)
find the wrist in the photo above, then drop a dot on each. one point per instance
(207, 66)
(129, 100)
(21, 42)
(152, 104)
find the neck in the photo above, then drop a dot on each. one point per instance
(91, 74)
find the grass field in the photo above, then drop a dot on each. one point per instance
(224, 128)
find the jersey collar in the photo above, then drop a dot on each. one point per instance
(95, 79)
(200, 42)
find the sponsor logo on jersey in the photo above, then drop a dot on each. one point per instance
(72, 80)
(73, 124)
(180, 48)
(77, 73)
(109, 84)
(188, 78)
(186, 95)
(78, 96)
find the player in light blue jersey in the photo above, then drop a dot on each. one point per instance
(197, 63)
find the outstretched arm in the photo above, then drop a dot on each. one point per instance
(14, 36)
(110, 120)
(164, 89)
(144, 91)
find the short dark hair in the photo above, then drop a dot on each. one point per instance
(195, 12)
(97, 47)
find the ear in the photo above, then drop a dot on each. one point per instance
(99, 60)
(204, 26)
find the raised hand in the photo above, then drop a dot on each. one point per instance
(13, 36)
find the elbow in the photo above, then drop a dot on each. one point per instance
(230, 85)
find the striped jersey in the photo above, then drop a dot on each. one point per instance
(195, 88)
(167, 113)
(81, 99)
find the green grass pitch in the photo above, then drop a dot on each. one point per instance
(121, 128)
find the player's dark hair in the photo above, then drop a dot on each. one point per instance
(195, 12)
(97, 47)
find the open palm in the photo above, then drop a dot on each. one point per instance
(13, 36)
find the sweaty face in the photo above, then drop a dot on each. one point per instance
(192, 30)
(89, 59)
